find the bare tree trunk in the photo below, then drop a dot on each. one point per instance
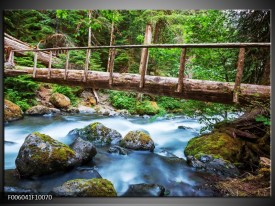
(144, 57)
(112, 40)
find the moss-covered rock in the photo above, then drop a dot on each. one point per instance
(98, 134)
(138, 140)
(217, 144)
(12, 111)
(41, 155)
(147, 107)
(95, 187)
(60, 100)
(38, 110)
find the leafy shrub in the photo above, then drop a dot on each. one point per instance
(27, 61)
(21, 90)
(123, 100)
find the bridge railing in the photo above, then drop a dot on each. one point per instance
(144, 59)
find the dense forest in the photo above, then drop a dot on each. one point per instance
(72, 28)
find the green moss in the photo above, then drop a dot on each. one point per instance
(60, 151)
(96, 187)
(218, 144)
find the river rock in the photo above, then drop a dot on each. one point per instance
(212, 165)
(105, 110)
(145, 190)
(95, 187)
(72, 110)
(85, 150)
(41, 155)
(60, 100)
(18, 191)
(38, 110)
(12, 111)
(118, 150)
(138, 140)
(217, 144)
(98, 134)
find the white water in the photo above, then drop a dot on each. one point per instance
(138, 166)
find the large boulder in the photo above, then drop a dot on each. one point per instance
(60, 100)
(85, 150)
(11, 111)
(38, 110)
(145, 190)
(217, 144)
(41, 155)
(95, 187)
(98, 134)
(138, 140)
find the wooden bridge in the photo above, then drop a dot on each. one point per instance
(181, 87)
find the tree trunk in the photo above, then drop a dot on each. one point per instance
(210, 91)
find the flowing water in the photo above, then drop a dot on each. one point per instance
(165, 166)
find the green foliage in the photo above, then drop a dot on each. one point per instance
(123, 100)
(27, 61)
(70, 92)
(263, 119)
(21, 90)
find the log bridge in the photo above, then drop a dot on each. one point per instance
(181, 87)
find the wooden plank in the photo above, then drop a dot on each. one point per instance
(239, 75)
(34, 64)
(210, 91)
(87, 64)
(181, 70)
(145, 55)
(111, 65)
(209, 45)
(50, 65)
(67, 64)
(11, 57)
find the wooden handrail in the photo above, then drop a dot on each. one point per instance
(208, 45)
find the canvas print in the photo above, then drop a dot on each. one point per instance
(136, 103)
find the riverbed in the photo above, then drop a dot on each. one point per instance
(165, 166)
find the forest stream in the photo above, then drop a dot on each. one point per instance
(165, 166)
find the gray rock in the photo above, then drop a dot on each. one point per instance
(145, 190)
(18, 191)
(38, 110)
(138, 140)
(216, 166)
(85, 150)
(118, 150)
(72, 110)
(96, 187)
(42, 155)
(98, 134)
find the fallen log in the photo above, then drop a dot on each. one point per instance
(16, 44)
(209, 91)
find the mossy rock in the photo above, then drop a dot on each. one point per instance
(147, 107)
(95, 187)
(12, 111)
(42, 155)
(60, 100)
(100, 134)
(217, 144)
(138, 140)
(38, 110)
